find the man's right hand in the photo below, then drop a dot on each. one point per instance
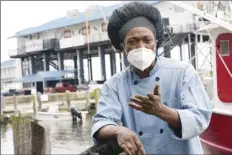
(129, 141)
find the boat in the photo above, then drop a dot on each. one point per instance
(53, 114)
(217, 138)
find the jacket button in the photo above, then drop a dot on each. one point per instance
(140, 133)
(157, 78)
(135, 82)
(161, 131)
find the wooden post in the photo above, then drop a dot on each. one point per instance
(68, 99)
(2, 104)
(96, 96)
(39, 101)
(15, 103)
(29, 137)
(34, 105)
(87, 100)
(21, 135)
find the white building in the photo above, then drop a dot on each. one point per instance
(10, 71)
(69, 35)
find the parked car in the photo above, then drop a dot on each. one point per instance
(12, 92)
(61, 87)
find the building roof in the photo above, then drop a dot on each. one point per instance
(8, 63)
(67, 21)
(53, 75)
(44, 75)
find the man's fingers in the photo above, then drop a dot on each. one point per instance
(137, 101)
(142, 98)
(139, 145)
(132, 146)
(151, 96)
(124, 147)
(156, 90)
(137, 107)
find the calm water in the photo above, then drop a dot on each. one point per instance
(66, 137)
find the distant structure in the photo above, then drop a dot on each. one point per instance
(10, 71)
(44, 48)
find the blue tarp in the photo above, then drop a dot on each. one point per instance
(44, 76)
(29, 78)
(8, 63)
(54, 75)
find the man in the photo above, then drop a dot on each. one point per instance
(157, 105)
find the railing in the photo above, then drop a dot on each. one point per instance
(12, 52)
(35, 45)
(81, 40)
(221, 8)
(96, 37)
(16, 51)
(71, 42)
(184, 28)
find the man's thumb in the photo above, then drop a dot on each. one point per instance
(156, 90)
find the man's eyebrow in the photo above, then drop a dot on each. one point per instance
(135, 37)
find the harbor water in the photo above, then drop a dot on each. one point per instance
(65, 137)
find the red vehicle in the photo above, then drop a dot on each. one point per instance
(61, 87)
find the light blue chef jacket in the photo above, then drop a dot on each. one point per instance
(180, 88)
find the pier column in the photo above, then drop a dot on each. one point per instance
(90, 68)
(101, 52)
(22, 66)
(112, 63)
(181, 53)
(60, 60)
(45, 62)
(80, 70)
(31, 64)
(193, 53)
(167, 53)
(75, 68)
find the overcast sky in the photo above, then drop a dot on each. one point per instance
(18, 15)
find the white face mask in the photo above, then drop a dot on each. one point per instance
(141, 58)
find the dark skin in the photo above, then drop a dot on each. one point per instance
(150, 104)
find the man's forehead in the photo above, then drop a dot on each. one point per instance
(139, 32)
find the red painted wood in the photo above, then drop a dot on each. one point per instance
(217, 138)
(224, 81)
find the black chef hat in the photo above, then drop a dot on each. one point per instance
(134, 14)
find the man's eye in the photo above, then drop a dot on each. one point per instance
(148, 40)
(132, 42)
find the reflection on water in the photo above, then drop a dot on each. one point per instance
(6, 139)
(65, 137)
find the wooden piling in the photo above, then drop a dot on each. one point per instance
(39, 101)
(15, 103)
(68, 99)
(2, 104)
(87, 100)
(34, 106)
(29, 137)
(96, 94)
